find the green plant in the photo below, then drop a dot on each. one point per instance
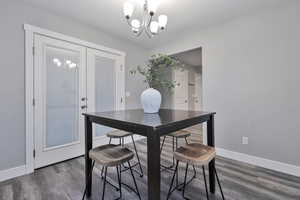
(156, 70)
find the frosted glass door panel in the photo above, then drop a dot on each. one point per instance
(105, 89)
(62, 91)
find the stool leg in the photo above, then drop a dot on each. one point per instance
(162, 145)
(193, 165)
(137, 156)
(104, 183)
(176, 146)
(121, 143)
(171, 185)
(219, 183)
(184, 183)
(119, 180)
(103, 167)
(137, 189)
(186, 140)
(173, 161)
(205, 182)
(173, 147)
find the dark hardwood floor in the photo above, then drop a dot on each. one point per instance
(65, 181)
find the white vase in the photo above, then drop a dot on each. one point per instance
(151, 100)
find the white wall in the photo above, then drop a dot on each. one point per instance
(13, 14)
(251, 79)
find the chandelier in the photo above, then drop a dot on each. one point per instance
(147, 23)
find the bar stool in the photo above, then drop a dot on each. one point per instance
(197, 155)
(182, 134)
(111, 155)
(118, 134)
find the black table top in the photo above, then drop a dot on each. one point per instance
(165, 117)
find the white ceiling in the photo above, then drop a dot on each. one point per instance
(107, 15)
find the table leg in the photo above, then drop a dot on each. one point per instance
(211, 142)
(88, 161)
(153, 160)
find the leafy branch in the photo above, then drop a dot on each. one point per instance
(156, 70)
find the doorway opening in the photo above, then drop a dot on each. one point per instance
(187, 94)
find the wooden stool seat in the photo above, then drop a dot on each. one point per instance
(118, 134)
(180, 134)
(111, 155)
(195, 154)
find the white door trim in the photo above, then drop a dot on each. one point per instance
(29, 78)
(70, 39)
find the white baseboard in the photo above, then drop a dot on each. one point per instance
(12, 173)
(261, 162)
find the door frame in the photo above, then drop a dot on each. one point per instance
(178, 50)
(30, 31)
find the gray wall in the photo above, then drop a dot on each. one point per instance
(13, 15)
(251, 79)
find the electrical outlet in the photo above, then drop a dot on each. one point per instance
(245, 140)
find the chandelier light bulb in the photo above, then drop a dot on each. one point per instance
(128, 9)
(152, 7)
(135, 25)
(154, 27)
(162, 21)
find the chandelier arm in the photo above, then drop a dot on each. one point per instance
(142, 28)
(140, 32)
(145, 23)
(144, 20)
(128, 22)
(149, 22)
(148, 32)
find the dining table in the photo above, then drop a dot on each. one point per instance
(152, 127)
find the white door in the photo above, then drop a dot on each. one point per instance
(105, 87)
(198, 92)
(60, 91)
(181, 90)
